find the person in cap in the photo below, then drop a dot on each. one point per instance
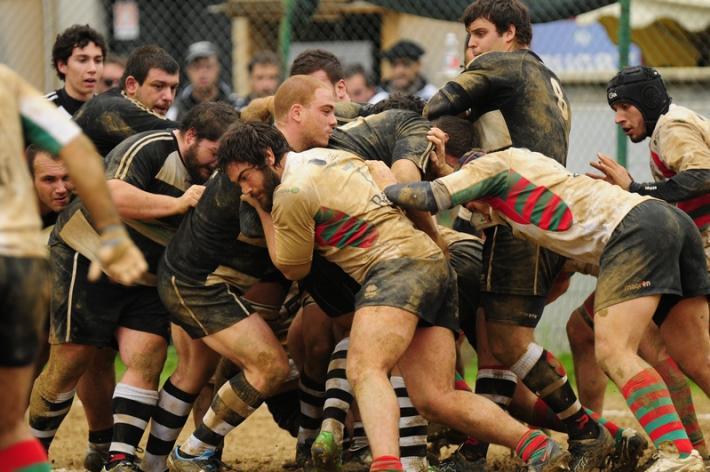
(406, 78)
(202, 68)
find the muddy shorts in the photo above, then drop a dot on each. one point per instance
(516, 277)
(330, 287)
(89, 313)
(24, 300)
(465, 257)
(656, 249)
(705, 234)
(423, 287)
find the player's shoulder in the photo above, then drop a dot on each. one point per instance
(52, 96)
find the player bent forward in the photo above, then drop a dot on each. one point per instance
(405, 311)
(651, 267)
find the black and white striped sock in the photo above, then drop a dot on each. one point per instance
(338, 393)
(412, 430)
(132, 409)
(47, 412)
(169, 418)
(312, 397)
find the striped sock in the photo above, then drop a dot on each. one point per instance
(234, 402)
(312, 397)
(100, 440)
(47, 412)
(651, 403)
(679, 389)
(460, 383)
(169, 417)
(412, 429)
(338, 393)
(386, 464)
(614, 429)
(24, 456)
(544, 417)
(531, 446)
(544, 374)
(132, 409)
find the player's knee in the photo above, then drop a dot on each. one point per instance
(274, 368)
(502, 350)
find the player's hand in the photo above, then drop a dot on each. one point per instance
(248, 198)
(381, 174)
(190, 198)
(613, 172)
(437, 157)
(118, 257)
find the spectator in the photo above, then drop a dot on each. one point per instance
(202, 68)
(113, 70)
(360, 84)
(405, 60)
(264, 73)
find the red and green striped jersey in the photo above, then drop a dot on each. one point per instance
(571, 214)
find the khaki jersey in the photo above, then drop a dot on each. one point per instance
(573, 215)
(328, 200)
(680, 142)
(24, 112)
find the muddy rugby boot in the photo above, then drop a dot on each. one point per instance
(205, 462)
(554, 460)
(630, 445)
(121, 463)
(358, 461)
(95, 458)
(669, 462)
(591, 454)
(327, 455)
(458, 462)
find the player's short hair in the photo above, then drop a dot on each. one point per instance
(263, 58)
(399, 101)
(352, 70)
(462, 137)
(76, 36)
(502, 13)
(297, 89)
(313, 60)
(248, 142)
(31, 153)
(143, 59)
(210, 120)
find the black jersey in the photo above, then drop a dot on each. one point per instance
(211, 236)
(388, 136)
(64, 102)
(528, 95)
(150, 161)
(111, 117)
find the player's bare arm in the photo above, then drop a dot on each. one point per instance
(134, 203)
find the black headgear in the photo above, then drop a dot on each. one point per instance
(642, 87)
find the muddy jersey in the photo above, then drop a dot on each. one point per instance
(111, 117)
(209, 239)
(327, 200)
(388, 137)
(24, 114)
(64, 102)
(151, 162)
(573, 215)
(528, 95)
(681, 142)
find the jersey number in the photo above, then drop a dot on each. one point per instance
(561, 102)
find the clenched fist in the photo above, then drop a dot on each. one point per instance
(118, 257)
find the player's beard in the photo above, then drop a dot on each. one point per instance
(199, 173)
(271, 181)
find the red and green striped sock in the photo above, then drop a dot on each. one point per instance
(386, 464)
(683, 401)
(460, 383)
(651, 403)
(25, 456)
(532, 445)
(614, 429)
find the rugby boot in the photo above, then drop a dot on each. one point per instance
(327, 455)
(629, 448)
(95, 458)
(669, 462)
(358, 461)
(303, 456)
(121, 463)
(591, 454)
(554, 460)
(205, 462)
(458, 462)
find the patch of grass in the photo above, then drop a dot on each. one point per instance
(168, 368)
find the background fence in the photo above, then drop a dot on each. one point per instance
(580, 45)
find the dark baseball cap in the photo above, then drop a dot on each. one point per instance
(404, 49)
(199, 50)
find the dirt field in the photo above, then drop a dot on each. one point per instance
(259, 445)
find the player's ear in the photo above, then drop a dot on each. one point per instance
(509, 34)
(295, 112)
(131, 85)
(270, 158)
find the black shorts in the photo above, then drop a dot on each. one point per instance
(516, 277)
(423, 287)
(84, 312)
(465, 257)
(24, 301)
(656, 249)
(330, 287)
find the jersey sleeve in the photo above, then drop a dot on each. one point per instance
(682, 147)
(294, 224)
(483, 177)
(136, 165)
(43, 124)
